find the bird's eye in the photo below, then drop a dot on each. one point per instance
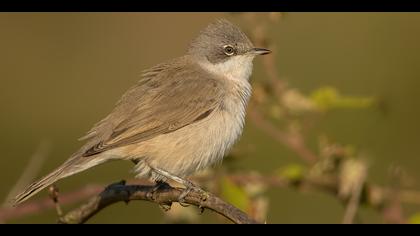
(229, 50)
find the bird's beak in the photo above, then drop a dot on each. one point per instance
(259, 51)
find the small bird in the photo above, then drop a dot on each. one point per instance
(180, 117)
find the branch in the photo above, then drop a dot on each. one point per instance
(374, 196)
(163, 196)
(354, 201)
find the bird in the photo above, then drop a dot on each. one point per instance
(182, 116)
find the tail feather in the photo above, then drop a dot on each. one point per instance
(71, 167)
(37, 186)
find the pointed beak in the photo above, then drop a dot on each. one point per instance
(259, 51)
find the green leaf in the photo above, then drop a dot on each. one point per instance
(414, 219)
(235, 195)
(292, 172)
(329, 98)
(324, 97)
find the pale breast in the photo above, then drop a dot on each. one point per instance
(205, 142)
(233, 110)
(201, 144)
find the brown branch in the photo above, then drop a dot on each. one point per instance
(354, 201)
(53, 192)
(370, 195)
(37, 206)
(393, 211)
(163, 196)
(373, 195)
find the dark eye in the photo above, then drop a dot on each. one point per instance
(229, 50)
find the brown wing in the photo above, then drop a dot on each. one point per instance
(167, 98)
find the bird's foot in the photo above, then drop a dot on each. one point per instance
(189, 186)
(152, 194)
(159, 185)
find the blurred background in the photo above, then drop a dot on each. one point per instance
(338, 81)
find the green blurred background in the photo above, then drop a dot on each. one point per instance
(62, 72)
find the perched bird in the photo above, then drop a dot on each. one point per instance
(181, 116)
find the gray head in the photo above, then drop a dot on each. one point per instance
(221, 41)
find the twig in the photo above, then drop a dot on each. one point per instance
(354, 202)
(163, 196)
(53, 191)
(393, 212)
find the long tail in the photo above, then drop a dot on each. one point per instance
(70, 167)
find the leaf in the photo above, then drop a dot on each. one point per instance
(414, 219)
(235, 195)
(293, 172)
(327, 98)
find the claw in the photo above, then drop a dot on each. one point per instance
(181, 198)
(165, 206)
(183, 204)
(204, 196)
(158, 185)
(201, 209)
(188, 184)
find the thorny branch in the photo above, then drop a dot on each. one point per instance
(163, 196)
(373, 195)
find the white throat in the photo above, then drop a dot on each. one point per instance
(235, 68)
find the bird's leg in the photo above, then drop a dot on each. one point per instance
(189, 186)
(158, 185)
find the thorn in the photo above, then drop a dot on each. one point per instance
(201, 209)
(204, 196)
(183, 204)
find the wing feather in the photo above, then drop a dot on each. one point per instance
(167, 98)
